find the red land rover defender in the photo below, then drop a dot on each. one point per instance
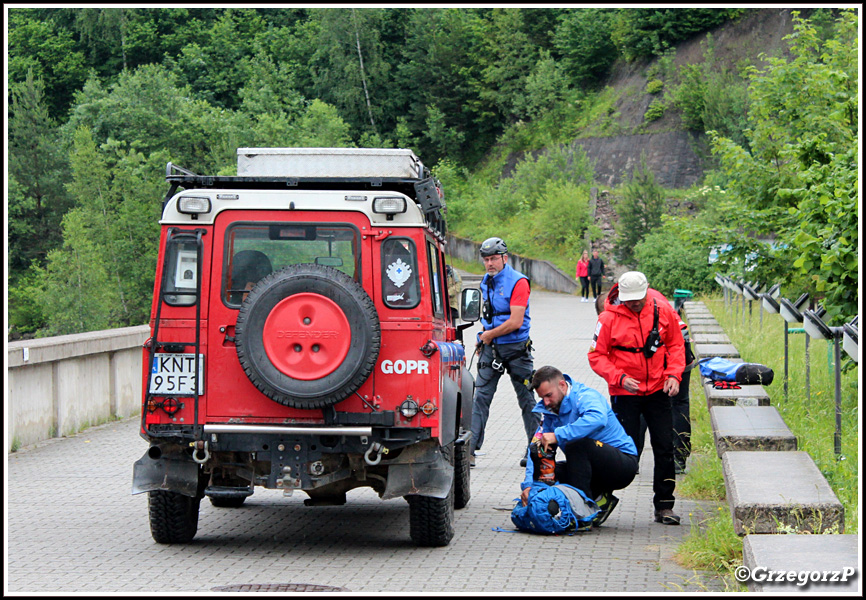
(301, 339)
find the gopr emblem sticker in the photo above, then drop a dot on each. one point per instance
(398, 272)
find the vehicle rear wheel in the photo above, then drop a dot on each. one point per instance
(462, 492)
(173, 516)
(431, 520)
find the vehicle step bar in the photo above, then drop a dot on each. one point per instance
(288, 430)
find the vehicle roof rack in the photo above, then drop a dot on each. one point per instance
(426, 192)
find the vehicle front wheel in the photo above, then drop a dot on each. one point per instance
(173, 516)
(462, 493)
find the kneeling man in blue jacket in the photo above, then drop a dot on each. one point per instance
(599, 456)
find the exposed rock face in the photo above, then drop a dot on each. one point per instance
(677, 157)
(673, 157)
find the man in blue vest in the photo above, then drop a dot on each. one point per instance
(504, 345)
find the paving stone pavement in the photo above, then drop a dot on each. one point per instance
(72, 525)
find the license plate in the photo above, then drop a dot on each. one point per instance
(173, 374)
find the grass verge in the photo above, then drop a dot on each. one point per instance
(711, 544)
(810, 413)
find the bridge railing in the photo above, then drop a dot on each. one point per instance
(540, 272)
(60, 385)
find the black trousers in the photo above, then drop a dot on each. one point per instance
(682, 423)
(656, 410)
(595, 280)
(584, 287)
(592, 467)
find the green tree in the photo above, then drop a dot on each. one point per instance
(671, 262)
(800, 172)
(38, 200)
(583, 39)
(109, 240)
(546, 89)
(213, 65)
(711, 96)
(49, 53)
(76, 292)
(641, 32)
(639, 211)
(322, 126)
(150, 109)
(349, 71)
(509, 58)
(439, 80)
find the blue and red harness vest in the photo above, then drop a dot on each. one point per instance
(497, 290)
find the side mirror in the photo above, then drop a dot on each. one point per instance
(470, 305)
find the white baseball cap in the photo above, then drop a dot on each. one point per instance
(632, 286)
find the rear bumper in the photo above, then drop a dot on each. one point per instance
(399, 461)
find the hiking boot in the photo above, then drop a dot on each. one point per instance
(667, 516)
(606, 503)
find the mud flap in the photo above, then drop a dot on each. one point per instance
(422, 470)
(175, 473)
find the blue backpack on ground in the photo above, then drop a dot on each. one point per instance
(719, 369)
(554, 509)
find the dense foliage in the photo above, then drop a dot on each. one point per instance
(101, 98)
(640, 211)
(796, 177)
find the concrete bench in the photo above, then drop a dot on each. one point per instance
(750, 428)
(721, 350)
(705, 328)
(835, 555)
(778, 492)
(710, 338)
(702, 321)
(699, 314)
(748, 395)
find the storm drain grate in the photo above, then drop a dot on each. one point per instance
(278, 587)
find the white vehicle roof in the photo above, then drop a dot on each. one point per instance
(315, 200)
(329, 162)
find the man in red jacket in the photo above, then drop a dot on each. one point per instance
(642, 376)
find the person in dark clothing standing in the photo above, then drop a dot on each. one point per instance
(596, 270)
(641, 380)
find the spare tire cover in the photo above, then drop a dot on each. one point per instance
(308, 336)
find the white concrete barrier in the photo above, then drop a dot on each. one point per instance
(540, 272)
(59, 385)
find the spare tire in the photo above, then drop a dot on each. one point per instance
(308, 336)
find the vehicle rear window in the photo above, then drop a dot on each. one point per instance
(254, 250)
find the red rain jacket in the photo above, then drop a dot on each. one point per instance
(619, 326)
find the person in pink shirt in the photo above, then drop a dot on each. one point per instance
(582, 274)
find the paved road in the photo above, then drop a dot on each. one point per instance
(73, 527)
